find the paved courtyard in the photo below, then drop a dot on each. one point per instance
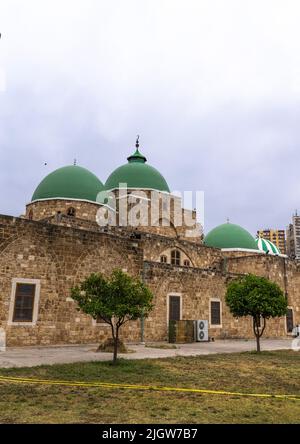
(31, 356)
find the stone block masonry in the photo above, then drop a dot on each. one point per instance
(59, 256)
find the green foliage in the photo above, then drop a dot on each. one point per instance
(121, 297)
(255, 296)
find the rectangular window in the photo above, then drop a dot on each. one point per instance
(175, 257)
(174, 308)
(24, 302)
(289, 320)
(100, 321)
(215, 312)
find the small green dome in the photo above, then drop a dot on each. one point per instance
(230, 236)
(137, 174)
(69, 182)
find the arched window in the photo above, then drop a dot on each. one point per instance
(163, 259)
(58, 216)
(175, 257)
(30, 215)
(71, 212)
(186, 263)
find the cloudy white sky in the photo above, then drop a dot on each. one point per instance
(212, 87)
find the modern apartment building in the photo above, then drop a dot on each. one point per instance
(293, 237)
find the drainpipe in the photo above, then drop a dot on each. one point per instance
(224, 266)
(142, 330)
(285, 280)
(142, 317)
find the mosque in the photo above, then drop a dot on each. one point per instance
(75, 225)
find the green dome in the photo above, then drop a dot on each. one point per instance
(137, 174)
(69, 182)
(230, 236)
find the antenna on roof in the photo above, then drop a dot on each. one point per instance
(137, 144)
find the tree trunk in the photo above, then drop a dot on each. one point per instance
(257, 343)
(256, 333)
(258, 329)
(116, 338)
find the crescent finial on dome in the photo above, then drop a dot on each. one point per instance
(137, 156)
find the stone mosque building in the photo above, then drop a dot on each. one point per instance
(61, 239)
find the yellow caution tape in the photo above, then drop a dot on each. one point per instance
(12, 379)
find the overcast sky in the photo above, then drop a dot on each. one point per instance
(212, 87)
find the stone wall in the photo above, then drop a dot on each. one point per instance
(199, 255)
(196, 287)
(241, 253)
(46, 208)
(58, 208)
(60, 255)
(156, 213)
(283, 271)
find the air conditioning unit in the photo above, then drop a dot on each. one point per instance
(201, 330)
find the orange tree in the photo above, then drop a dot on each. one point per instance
(257, 297)
(115, 300)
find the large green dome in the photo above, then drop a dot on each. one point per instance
(137, 174)
(69, 182)
(230, 236)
